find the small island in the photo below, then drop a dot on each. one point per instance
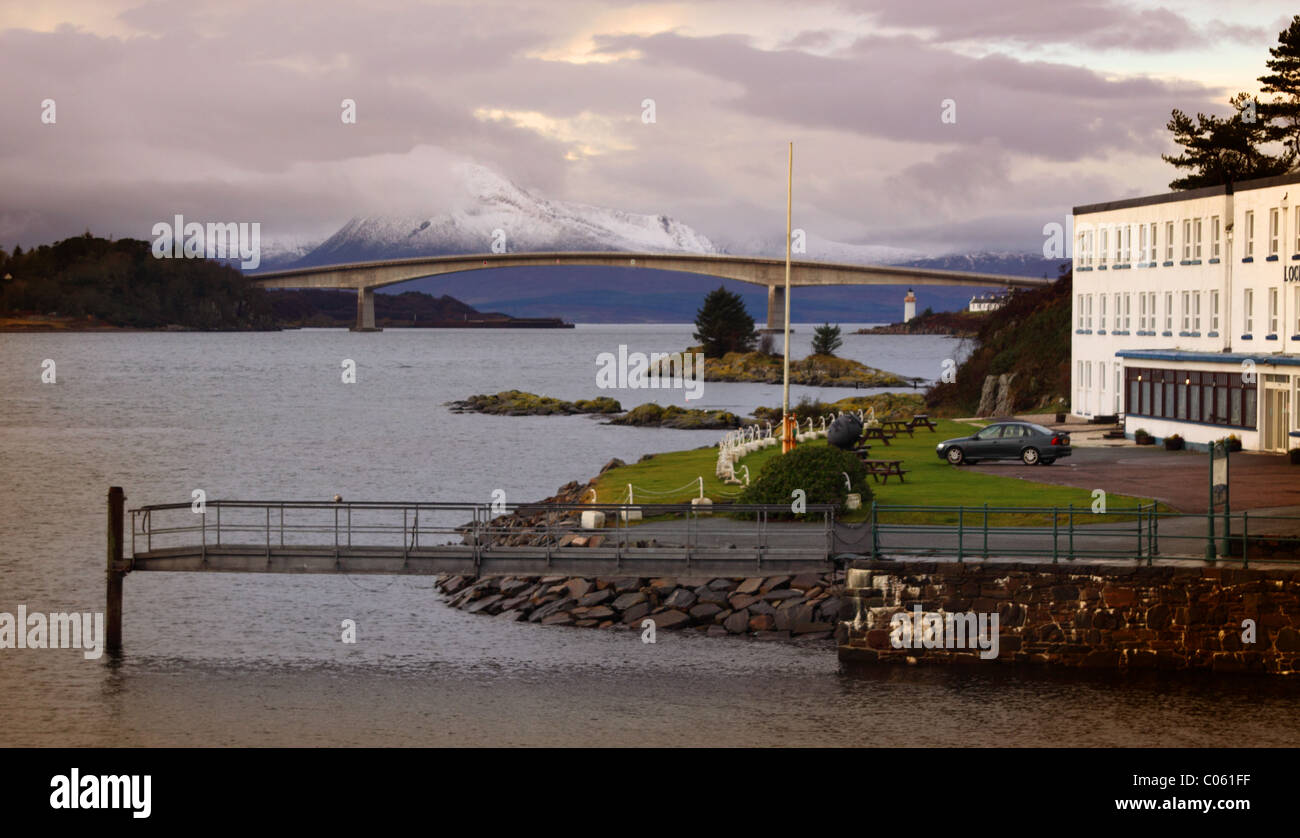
(519, 403)
(960, 324)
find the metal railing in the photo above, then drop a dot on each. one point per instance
(357, 526)
(1071, 533)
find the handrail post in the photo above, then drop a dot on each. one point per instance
(986, 531)
(115, 572)
(1245, 536)
(875, 539)
(1070, 556)
(960, 539)
(1055, 534)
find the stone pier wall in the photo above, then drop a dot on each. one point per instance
(1082, 616)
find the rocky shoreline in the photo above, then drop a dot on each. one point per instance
(807, 606)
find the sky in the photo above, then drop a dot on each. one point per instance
(231, 110)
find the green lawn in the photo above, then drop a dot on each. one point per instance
(671, 478)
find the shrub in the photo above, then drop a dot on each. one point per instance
(817, 469)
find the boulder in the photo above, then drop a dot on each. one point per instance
(805, 581)
(705, 611)
(680, 598)
(737, 623)
(663, 586)
(636, 612)
(739, 601)
(761, 622)
(672, 619)
(596, 597)
(774, 582)
(626, 601)
(578, 587)
(750, 586)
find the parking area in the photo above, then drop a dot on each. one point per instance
(1178, 478)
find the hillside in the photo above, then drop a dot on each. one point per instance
(120, 284)
(1028, 339)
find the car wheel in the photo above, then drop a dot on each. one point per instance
(1030, 456)
(1047, 461)
(955, 456)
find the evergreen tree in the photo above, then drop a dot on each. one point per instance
(1281, 115)
(1221, 150)
(723, 325)
(826, 339)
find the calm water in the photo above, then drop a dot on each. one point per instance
(231, 659)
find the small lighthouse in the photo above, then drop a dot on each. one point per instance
(909, 306)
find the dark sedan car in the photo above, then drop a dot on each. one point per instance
(1025, 441)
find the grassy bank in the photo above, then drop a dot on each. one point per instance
(672, 478)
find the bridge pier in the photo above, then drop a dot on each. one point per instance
(116, 572)
(775, 309)
(365, 311)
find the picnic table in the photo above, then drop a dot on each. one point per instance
(882, 469)
(880, 433)
(898, 426)
(923, 420)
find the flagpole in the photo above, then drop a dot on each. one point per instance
(787, 432)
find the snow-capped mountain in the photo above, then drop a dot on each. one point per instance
(493, 207)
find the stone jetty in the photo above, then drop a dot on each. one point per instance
(766, 608)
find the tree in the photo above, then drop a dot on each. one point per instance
(1281, 116)
(826, 339)
(1220, 150)
(723, 325)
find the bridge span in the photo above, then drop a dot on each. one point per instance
(365, 277)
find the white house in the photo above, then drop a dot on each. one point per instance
(987, 302)
(1187, 313)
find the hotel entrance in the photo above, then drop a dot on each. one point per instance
(1275, 423)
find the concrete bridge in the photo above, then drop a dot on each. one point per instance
(365, 277)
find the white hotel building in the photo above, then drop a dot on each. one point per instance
(1187, 313)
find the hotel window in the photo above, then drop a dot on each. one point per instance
(1078, 312)
(1101, 314)
(1249, 251)
(1214, 311)
(1248, 309)
(1089, 320)
(1169, 241)
(1142, 312)
(1272, 311)
(1119, 244)
(1127, 311)
(1296, 309)
(1142, 242)
(1128, 243)
(1214, 237)
(1196, 311)
(1078, 374)
(1151, 309)
(1187, 311)
(1169, 311)
(1101, 379)
(1083, 248)
(1297, 233)
(1152, 258)
(1118, 325)
(1272, 231)
(1187, 239)
(1196, 239)
(1104, 243)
